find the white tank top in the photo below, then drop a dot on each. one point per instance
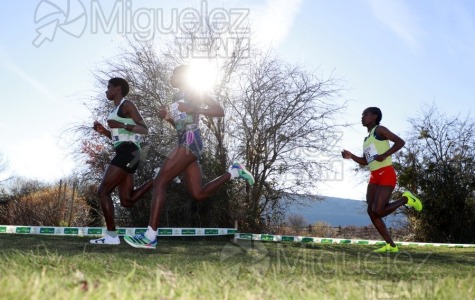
(120, 135)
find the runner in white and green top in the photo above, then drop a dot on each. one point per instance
(121, 135)
(126, 128)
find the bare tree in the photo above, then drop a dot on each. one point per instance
(296, 220)
(283, 126)
(147, 67)
(279, 121)
(438, 162)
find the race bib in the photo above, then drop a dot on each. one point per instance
(370, 152)
(176, 114)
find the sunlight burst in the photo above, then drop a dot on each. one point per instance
(202, 75)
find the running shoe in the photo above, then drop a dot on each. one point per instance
(387, 248)
(106, 240)
(242, 172)
(390, 248)
(140, 241)
(382, 249)
(412, 201)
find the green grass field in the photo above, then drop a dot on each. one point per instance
(56, 267)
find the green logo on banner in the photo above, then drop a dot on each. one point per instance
(307, 240)
(23, 230)
(121, 231)
(188, 231)
(70, 230)
(47, 230)
(140, 230)
(232, 231)
(247, 236)
(345, 241)
(362, 242)
(211, 231)
(288, 238)
(3, 229)
(165, 231)
(326, 241)
(266, 237)
(94, 231)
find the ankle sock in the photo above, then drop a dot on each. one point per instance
(150, 234)
(112, 233)
(234, 172)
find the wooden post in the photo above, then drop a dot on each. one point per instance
(59, 192)
(235, 240)
(63, 201)
(72, 202)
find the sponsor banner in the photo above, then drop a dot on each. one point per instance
(100, 231)
(320, 240)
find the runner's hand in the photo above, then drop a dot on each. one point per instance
(163, 113)
(346, 154)
(98, 127)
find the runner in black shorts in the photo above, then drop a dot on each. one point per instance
(127, 157)
(126, 127)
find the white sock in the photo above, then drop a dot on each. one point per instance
(150, 234)
(112, 233)
(234, 173)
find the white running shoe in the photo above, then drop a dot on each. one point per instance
(106, 240)
(238, 170)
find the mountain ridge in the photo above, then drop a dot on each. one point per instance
(338, 212)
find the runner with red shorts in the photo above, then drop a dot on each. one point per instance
(377, 155)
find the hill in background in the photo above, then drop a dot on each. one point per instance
(339, 212)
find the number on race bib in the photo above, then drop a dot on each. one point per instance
(370, 152)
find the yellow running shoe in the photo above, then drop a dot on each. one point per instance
(382, 249)
(412, 200)
(387, 248)
(390, 248)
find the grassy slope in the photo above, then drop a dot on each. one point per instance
(54, 267)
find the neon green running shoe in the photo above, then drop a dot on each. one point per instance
(382, 249)
(390, 248)
(387, 248)
(413, 201)
(242, 172)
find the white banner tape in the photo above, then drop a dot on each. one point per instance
(99, 231)
(319, 240)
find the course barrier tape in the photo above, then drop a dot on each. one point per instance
(100, 231)
(319, 240)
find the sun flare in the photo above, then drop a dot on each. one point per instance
(202, 75)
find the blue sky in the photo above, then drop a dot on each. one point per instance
(395, 54)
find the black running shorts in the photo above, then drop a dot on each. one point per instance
(127, 157)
